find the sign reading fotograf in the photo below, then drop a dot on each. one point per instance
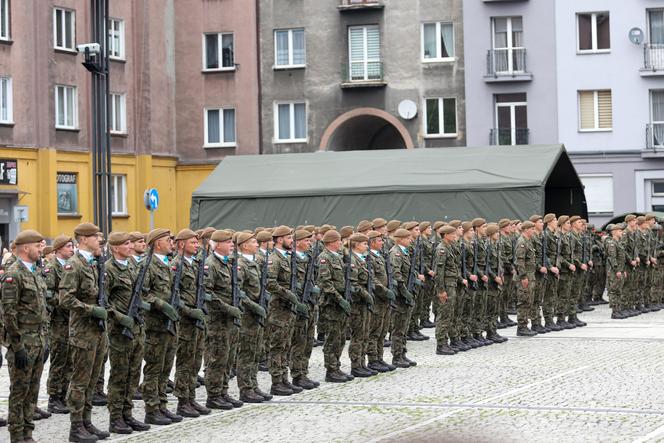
(8, 171)
(67, 193)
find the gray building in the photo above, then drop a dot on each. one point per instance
(361, 74)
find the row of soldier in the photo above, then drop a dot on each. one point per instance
(231, 299)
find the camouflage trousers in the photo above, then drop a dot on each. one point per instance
(576, 296)
(99, 387)
(427, 297)
(302, 343)
(445, 314)
(539, 288)
(615, 286)
(359, 334)
(491, 315)
(630, 287)
(459, 328)
(188, 355)
(400, 322)
(126, 357)
(479, 310)
(550, 298)
(505, 295)
(379, 323)
(60, 367)
(413, 321)
(279, 330)
(468, 318)
(221, 345)
(335, 322)
(524, 301)
(24, 388)
(248, 355)
(599, 281)
(87, 362)
(160, 347)
(564, 295)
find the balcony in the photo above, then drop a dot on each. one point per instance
(509, 136)
(363, 74)
(507, 65)
(654, 140)
(653, 60)
(359, 5)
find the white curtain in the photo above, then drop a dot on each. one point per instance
(429, 37)
(213, 126)
(229, 125)
(284, 122)
(300, 117)
(447, 40)
(657, 27)
(657, 100)
(282, 48)
(298, 47)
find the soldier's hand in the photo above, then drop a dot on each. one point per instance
(315, 291)
(145, 306)
(260, 311)
(555, 270)
(543, 270)
(431, 274)
(485, 278)
(410, 301)
(633, 263)
(343, 303)
(524, 283)
(46, 353)
(126, 321)
(303, 310)
(99, 312)
(420, 277)
(169, 311)
(619, 274)
(21, 359)
(197, 314)
(207, 297)
(390, 295)
(572, 268)
(590, 263)
(473, 277)
(442, 296)
(584, 267)
(499, 280)
(465, 282)
(234, 312)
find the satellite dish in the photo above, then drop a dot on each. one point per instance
(636, 36)
(407, 109)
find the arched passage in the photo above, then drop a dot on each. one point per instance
(363, 129)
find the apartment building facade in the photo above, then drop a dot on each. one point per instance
(361, 74)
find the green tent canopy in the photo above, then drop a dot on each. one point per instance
(419, 184)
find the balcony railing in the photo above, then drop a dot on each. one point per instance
(653, 57)
(358, 5)
(509, 136)
(507, 64)
(655, 137)
(363, 74)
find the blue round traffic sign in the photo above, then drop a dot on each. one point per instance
(153, 199)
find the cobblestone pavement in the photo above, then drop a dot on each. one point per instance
(601, 383)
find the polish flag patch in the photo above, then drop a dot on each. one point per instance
(9, 280)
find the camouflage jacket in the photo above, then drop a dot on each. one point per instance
(525, 258)
(119, 284)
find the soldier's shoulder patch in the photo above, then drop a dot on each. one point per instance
(68, 267)
(174, 268)
(323, 261)
(9, 279)
(46, 270)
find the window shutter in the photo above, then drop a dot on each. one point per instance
(373, 43)
(604, 109)
(356, 44)
(587, 109)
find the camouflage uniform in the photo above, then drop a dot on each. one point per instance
(222, 336)
(360, 312)
(541, 280)
(615, 262)
(467, 322)
(552, 250)
(25, 323)
(507, 247)
(335, 320)
(160, 345)
(60, 367)
(405, 301)
(379, 320)
(494, 262)
(565, 297)
(525, 262)
(447, 278)
(125, 354)
(79, 289)
(302, 342)
(479, 308)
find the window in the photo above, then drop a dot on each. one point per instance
(119, 194)
(593, 32)
(656, 118)
(67, 184)
(289, 50)
(509, 54)
(656, 26)
(290, 122)
(64, 29)
(364, 53)
(66, 109)
(599, 192)
(595, 113)
(116, 47)
(218, 52)
(658, 188)
(219, 127)
(4, 20)
(440, 118)
(437, 41)
(118, 113)
(511, 120)
(6, 100)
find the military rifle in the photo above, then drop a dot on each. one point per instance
(235, 285)
(309, 277)
(200, 285)
(464, 270)
(500, 270)
(137, 290)
(487, 263)
(294, 286)
(101, 281)
(474, 285)
(545, 259)
(412, 275)
(370, 276)
(348, 286)
(559, 244)
(175, 294)
(264, 295)
(389, 274)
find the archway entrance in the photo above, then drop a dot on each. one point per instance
(364, 129)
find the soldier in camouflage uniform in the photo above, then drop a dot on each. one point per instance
(567, 271)
(541, 275)
(582, 267)
(88, 341)
(418, 255)
(384, 297)
(125, 353)
(495, 283)
(302, 342)
(191, 328)
(160, 344)
(552, 249)
(335, 309)
(224, 323)
(361, 306)
(265, 245)
(507, 246)
(526, 266)
(630, 241)
(25, 322)
(401, 266)
(430, 242)
(616, 263)
(251, 330)
(599, 261)
(60, 366)
(139, 247)
(467, 251)
(479, 308)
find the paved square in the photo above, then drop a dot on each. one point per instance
(601, 383)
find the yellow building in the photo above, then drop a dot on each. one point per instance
(56, 189)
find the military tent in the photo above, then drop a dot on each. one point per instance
(419, 184)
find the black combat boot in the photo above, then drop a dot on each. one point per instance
(335, 377)
(56, 406)
(118, 426)
(409, 361)
(78, 433)
(390, 367)
(378, 366)
(444, 349)
(360, 372)
(235, 402)
(175, 418)
(157, 418)
(265, 395)
(303, 383)
(218, 403)
(525, 332)
(185, 409)
(92, 429)
(250, 396)
(136, 425)
(203, 410)
(291, 386)
(280, 389)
